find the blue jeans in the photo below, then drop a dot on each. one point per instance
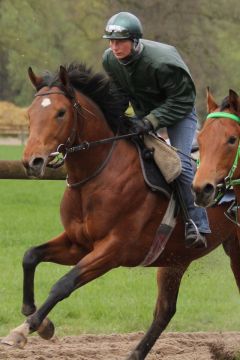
(181, 137)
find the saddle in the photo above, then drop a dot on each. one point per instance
(151, 173)
(164, 158)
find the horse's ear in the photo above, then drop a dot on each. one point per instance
(36, 80)
(211, 104)
(234, 101)
(63, 76)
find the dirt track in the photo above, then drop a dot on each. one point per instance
(172, 346)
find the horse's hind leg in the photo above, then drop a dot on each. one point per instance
(58, 250)
(169, 280)
(232, 249)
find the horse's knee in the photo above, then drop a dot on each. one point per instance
(31, 258)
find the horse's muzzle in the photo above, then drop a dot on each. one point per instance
(36, 166)
(205, 195)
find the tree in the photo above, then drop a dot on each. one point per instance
(44, 34)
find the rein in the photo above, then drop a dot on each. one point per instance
(95, 173)
(228, 181)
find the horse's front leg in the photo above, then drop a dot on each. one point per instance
(59, 250)
(103, 258)
(169, 280)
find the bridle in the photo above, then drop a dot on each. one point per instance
(70, 140)
(64, 149)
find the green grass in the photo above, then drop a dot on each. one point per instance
(120, 301)
(8, 152)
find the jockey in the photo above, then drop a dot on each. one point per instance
(155, 80)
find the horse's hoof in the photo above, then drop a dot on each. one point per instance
(46, 329)
(15, 339)
(28, 310)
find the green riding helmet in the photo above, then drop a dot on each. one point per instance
(123, 25)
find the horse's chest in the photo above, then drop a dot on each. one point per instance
(85, 218)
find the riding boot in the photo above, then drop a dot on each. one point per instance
(193, 238)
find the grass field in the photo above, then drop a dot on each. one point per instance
(120, 301)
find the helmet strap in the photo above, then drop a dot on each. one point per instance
(135, 44)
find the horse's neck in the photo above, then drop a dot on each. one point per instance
(115, 165)
(92, 124)
(91, 127)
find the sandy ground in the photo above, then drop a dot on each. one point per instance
(171, 346)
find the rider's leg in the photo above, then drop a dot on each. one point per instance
(181, 136)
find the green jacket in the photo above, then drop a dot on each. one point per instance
(157, 83)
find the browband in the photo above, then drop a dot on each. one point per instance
(221, 114)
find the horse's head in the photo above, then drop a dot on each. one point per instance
(72, 104)
(51, 117)
(219, 146)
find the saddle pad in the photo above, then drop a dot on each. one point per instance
(165, 156)
(151, 173)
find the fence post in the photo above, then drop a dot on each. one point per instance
(14, 169)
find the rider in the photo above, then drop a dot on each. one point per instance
(156, 81)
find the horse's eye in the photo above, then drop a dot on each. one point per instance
(61, 113)
(232, 140)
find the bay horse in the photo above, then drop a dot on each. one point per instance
(110, 216)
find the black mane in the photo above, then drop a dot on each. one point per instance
(97, 87)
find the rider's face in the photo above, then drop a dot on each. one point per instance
(121, 48)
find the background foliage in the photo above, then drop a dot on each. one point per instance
(45, 34)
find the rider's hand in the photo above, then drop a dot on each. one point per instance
(143, 126)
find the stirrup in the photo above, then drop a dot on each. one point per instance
(232, 213)
(193, 238)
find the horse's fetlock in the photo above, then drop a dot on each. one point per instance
(28, 309)
(34, 322)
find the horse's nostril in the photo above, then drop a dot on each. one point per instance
(35, 167)
(208, 189)
(37, 162)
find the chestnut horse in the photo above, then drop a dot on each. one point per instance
(219, 150)
(109, 214)
(219, 162)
